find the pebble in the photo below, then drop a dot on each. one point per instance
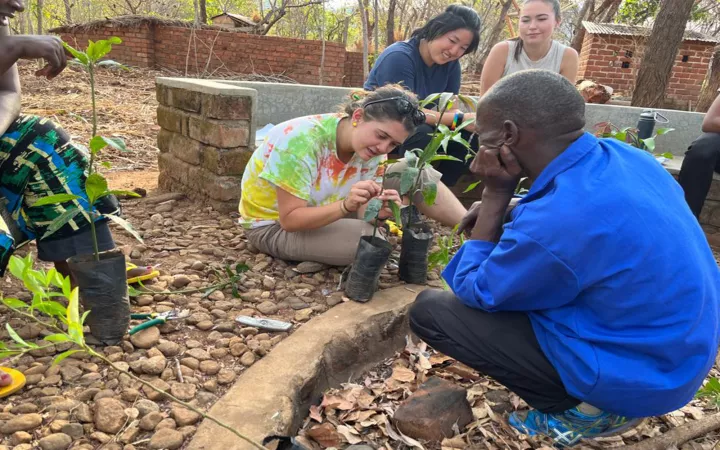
(226, 376)
(147, 338)
(166, 423)
(154, 365)
(150, 421)
(180, 281)
(183, 391)
(145, 407)
(74, 430)
(209, 367)
(24, 422)
(310, 267)
(303, 315)
(109, 415)
(184, 416)
(166, 439)
(247, 359)
(168, 348)
(198, 354)
(152, 394)
(296, 303)
(20, 437)
(217, 296)
(57, 441)
(267, 308)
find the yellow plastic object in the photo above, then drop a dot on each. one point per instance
(18, 381)
(394, 229)
(148, 276)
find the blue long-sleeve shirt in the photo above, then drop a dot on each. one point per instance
(615, 274)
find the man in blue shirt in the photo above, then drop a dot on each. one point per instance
(597, 303)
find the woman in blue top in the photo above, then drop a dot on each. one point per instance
(428, 63)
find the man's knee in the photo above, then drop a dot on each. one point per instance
(426, 308)
(704, 148)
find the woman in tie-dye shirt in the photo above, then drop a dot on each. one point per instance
(306, 185)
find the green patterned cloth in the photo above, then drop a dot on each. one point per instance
(37, 159)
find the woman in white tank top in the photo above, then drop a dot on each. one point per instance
(534, 49)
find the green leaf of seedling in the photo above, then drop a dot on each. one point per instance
(126, 225)
(9, 353)
(429, 99)
(667, 155)
(460, 140)
(661, 131)
(133, 292)
(235, 292)
(97, 143)
(444, 129)
(55, 199)
(464, 124)
(407, 180)
(51, 308)
(373, 209)
(711, 389)
(59, 337)
(444, 158)
(649, 144)
(444, 99)
(95, 187)
(468, 101)
(395, 208)
(241, 268)
(471, 187)
(82, 57)
(14, 303)
(118, 193)
(61, 221)
(109, 63)
(14, 336)
(429, 193)
(411, 158)
(106, 164)
(621, 136)
(59, 358)
(97, 50)
(84, 316)
(17, 267)
(73, 318)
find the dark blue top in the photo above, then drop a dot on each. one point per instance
(402, 63)
(615, 274)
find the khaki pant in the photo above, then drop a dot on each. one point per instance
(334, 244)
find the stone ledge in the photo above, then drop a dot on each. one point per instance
(273, 396)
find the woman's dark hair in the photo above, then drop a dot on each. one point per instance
(519, 42)
(455, 17)
(395, 108)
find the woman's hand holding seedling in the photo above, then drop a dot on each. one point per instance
(387, 196)
(361, 193)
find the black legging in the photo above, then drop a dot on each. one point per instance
(696, 174)
(451, 170)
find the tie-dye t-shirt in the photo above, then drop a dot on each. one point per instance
(299, 157)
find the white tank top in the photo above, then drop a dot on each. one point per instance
(551, 61)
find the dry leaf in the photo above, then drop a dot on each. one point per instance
(349, 434)
(480, 413)
(403, 374)
(424, 363)
(453, 443)
(337, 402)
(325, 435)
(398, 436)
(438, 359)
(316, 413)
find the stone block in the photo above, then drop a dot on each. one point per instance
(226, 107)
(196, 182)
(219, 133)
(164, 140)
(430, 412)
(172, 119)
(183, 147)
(184, 99)
(221, 161)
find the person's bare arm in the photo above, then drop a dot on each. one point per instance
(9, 82)
(711, 123)
(296, 215)
(494, 66)
(569, 65)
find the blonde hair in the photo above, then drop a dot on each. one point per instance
(382, 110)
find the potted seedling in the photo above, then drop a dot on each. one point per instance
(629, 135)
(417, 235)
(371, 256)
(101, 276)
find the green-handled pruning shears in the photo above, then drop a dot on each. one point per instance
(156, 319)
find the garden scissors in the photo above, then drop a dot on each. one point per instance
(156, 319)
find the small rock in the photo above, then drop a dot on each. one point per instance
(24, 408)
(247, 359)
(168, 348)
(219, 353)
(57, 441)
(226, 376)
(154, 365)
(310, 267)
(180, 281)
(153, 394)
(183, 391)
(184, 416)
(130, 395)
(205, 325)
(20, 437)
(150, 421)
(74, 430)
(238, 349)
(83, 413)
(100, 437)
(431, 411)
(296, 303)
(166, 423)
(109, 415)
(166, 439)
(145, 407)
(70, 373)
(25, 422)
(303, 315)
(190, 362)
(210, 385)
(267, 308)
(144, 300)
(165, 207)
(217, 296)
(130, 434)
(209, 367)
(200, 266)
(147, 338)
(199, 354)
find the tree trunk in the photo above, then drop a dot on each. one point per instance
(40, 7)
(608, 15)
(346, 30)
(711, 84)
(68, 11)
(363, 19)
(322, 54)
(377, 29)
(203, 11)
(496, 32)
(577, 40)
(196, 14)
(660, 52)
(390, 24)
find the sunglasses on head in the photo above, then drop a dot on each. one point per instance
(404, 107)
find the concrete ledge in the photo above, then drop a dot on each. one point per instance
(274, 395)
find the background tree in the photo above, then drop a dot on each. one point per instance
(659, 56)
(711, 84)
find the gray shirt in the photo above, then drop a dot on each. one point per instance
(551, 61)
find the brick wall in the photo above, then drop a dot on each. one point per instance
(602, 59)
(166, 47)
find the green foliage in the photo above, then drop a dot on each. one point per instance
(96, 186)
(629, 135)
(637, 12)
(711, 391)
(447, 247)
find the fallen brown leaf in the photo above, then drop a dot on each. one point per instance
(453, 443)
(349, 434)
(316, 413)
(438, 358)
(403, 374)
(325, 435)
